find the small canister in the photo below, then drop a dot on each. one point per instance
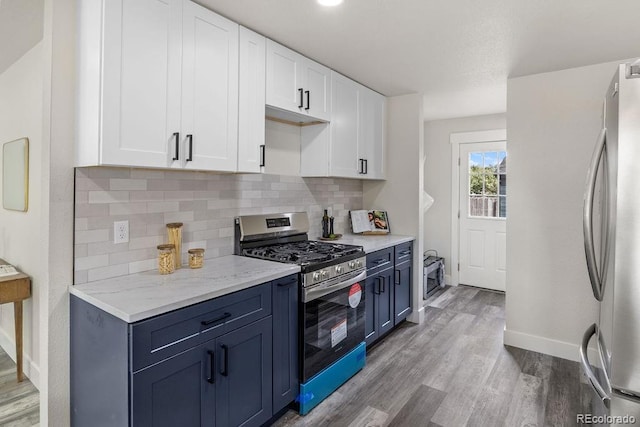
(166, 258)
(196, 258)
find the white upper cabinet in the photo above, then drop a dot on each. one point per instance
(297, 84)
(209, 90)
(251, 129)
(158, 85)
(141, 82)
(345, 129)
(371, 139)
(352, 145)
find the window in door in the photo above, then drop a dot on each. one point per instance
(488, 184)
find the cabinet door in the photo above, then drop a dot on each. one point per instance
(371, 302)
(209, 90)
(176, 391)
(285, 341)
(244, 375)
(317, 90)
(385, 314)
(251, 127)
(343, 153)
(371, 145)
(284, 78)
(141, 82)
(403, 281)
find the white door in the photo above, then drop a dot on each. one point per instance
(251, 129)
(343, 152)
(285, 88)
(209, 90)
(483, 213)
(317, 90)
(141, 92)
(372, 133)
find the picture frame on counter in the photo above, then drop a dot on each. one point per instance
(369, 222)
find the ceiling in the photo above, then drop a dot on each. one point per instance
(458, 53)
(21, 25)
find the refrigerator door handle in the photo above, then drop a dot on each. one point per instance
(587, 216)
(586, 366)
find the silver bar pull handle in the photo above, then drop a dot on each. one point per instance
(586, 366)
(587, 216)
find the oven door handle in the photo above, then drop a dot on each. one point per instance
(316, 292)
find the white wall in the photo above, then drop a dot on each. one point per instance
(57, 204)
(21, 116)
(401, 194)
(437, 176)
(553, 120)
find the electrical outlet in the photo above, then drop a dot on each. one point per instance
(120, 232)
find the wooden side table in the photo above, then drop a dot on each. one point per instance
(16, 288)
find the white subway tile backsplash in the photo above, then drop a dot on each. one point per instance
(178, 217)
(146, 242)
(164, 206)
(90, 236)
(81, 224)
(146, 174)
(140, 266)
(205, 202)
(127, 208)
(107, 272)
(87, 263)
(127, 184)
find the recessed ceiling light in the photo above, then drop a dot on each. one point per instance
(329, 2)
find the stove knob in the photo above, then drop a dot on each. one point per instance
(316, 276)
(324, 274)
(339, 269)
(358, 263)
(352, 265)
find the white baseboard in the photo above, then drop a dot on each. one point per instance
(30, 369)
(417, 316)
(561, 349)
(447, 279)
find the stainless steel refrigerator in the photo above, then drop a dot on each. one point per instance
(612, 248)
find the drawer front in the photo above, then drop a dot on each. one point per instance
(379, 261)
(404, 253)
(163, 336)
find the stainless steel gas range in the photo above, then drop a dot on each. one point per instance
(331, 295)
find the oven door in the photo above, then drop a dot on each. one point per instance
(332, 323)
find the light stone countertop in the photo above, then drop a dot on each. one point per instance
(142, 295)
(372, 243)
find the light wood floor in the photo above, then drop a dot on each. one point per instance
(19, 402)
(453, 370)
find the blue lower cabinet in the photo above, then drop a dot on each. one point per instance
(379, 305)
(285, 342)
(223, 378)
(175, 391)
(224, 382)
(403, 285)
(243, 375)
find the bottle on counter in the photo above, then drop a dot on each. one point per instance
(325, 225)
(331, 233)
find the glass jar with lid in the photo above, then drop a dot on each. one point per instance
(196, 258)
(166, 258)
